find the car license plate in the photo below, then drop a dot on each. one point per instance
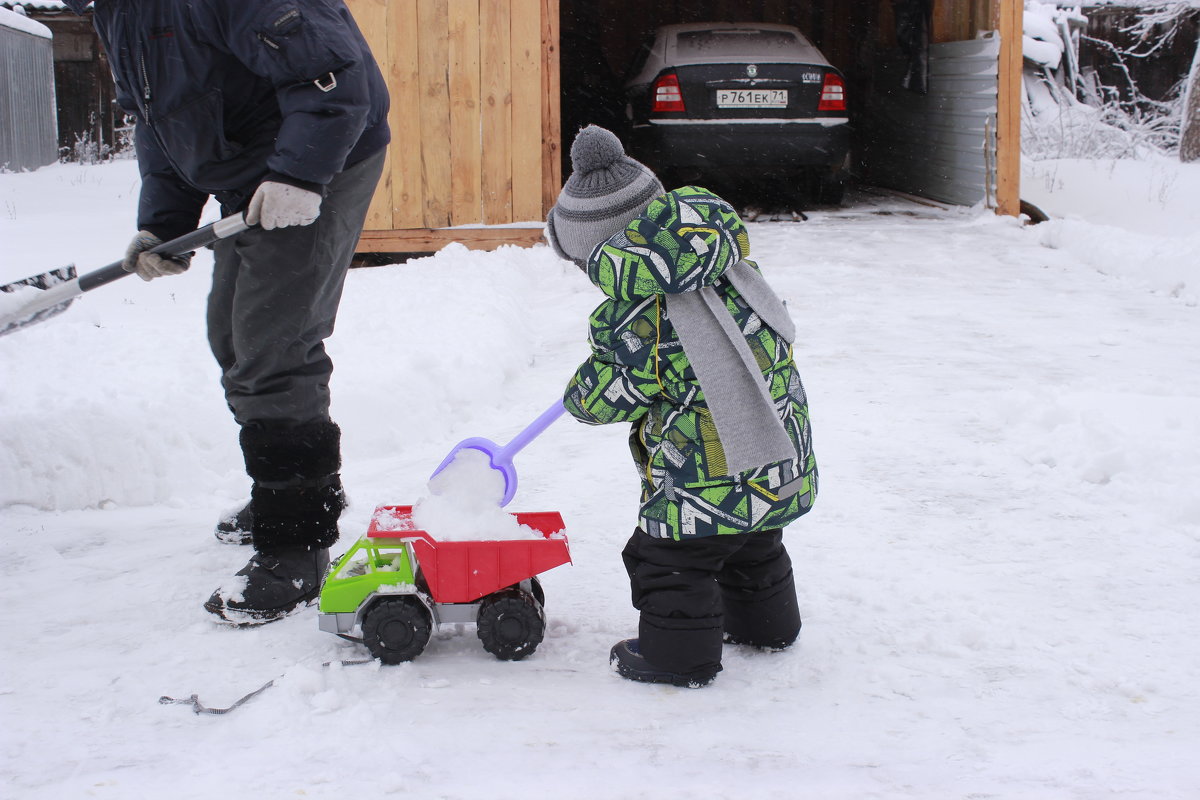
(752, 98)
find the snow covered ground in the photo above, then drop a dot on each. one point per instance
(998, 580)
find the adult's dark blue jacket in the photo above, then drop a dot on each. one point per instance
(228, 93)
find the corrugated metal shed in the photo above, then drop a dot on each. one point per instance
(28, 132)
(940, 145)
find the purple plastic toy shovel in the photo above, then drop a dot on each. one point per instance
(502, 457)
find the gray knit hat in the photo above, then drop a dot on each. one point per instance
(606, 190)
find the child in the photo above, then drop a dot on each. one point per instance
(694, 349)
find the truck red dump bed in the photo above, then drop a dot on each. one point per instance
(464, 571)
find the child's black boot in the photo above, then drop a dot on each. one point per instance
(627, 660)
(767, 618)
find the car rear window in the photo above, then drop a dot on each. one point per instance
(740, 42)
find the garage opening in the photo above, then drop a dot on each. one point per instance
(921, 92)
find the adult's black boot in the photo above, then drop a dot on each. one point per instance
(270, 586)
(236, 527)
(296, 498)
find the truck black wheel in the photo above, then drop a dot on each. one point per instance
(396, 629)
(511, 624)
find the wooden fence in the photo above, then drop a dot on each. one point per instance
(475, 130)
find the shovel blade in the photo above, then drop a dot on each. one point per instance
(20, 306)
(496, 460)
(43, 281)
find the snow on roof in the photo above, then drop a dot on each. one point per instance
(39, 5)
(20, 22)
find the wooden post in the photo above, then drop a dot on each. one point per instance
(1008, 110)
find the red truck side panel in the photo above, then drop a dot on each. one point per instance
(464, 571)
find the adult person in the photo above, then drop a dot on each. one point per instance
(276, 108)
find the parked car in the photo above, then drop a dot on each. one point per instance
(741, 98)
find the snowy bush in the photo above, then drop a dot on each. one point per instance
(88, 150)
(1069, 113)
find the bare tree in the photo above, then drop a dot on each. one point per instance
(1156, 27)
(1189, 133)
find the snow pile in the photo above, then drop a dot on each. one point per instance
(416, 340)
(392, 520)
(1133, 219)
(464, 503)
(1042, 42)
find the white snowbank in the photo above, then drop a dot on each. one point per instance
(1135, 219)
(998, 580)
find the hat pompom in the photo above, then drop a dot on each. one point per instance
(595, 148)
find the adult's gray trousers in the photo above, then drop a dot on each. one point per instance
(274, 301)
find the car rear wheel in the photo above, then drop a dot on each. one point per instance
(830, 190)
(397, 629)
(511, 624)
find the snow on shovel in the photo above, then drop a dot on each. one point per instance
(501, 458)
(50, 293)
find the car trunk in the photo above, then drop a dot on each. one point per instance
(726, 91)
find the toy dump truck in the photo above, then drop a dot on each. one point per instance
(396, 584)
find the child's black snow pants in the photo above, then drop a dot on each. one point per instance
(694, 592)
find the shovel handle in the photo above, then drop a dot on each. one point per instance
(188, 243)
(532, 431)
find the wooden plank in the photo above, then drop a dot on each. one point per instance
(551, 107)
(885, 20)
(525, 36)
(408, 199)
(1008, 115)
(962, 19)
(953, 21)
(980, 17)
(429, 240)
(434, 109)
(371, 16)
(496, 107)
(466, 151)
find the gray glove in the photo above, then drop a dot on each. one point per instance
(278, 205)
(149, 266)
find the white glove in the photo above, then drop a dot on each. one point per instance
(278, 205)
(149, 266)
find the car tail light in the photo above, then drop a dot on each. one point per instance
(667, 96)
(833, 94)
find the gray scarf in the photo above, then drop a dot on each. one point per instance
(751, 432)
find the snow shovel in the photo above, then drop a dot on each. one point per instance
(502, 457)
(53, 291)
